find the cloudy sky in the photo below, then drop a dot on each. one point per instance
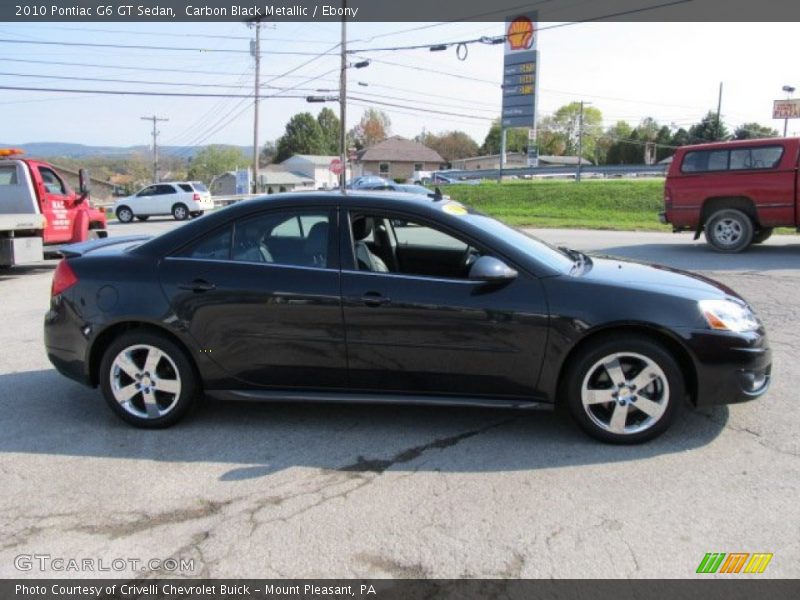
(669, 71)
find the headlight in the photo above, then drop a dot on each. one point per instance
(728, 316)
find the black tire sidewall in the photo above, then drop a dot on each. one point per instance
(190, 386)
(747, 228)
(643, 345)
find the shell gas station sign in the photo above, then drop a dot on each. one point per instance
(520, 71)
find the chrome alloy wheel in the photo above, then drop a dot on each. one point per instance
(625, 393)
(145, 381)
(728, 231)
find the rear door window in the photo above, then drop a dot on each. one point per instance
(163, 189)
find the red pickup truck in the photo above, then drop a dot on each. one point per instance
(39, 212)
(737, 192)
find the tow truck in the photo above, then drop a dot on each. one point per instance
(39, 212)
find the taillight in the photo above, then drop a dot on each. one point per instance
(63, 278)
(196, 197)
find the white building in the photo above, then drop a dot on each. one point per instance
(315, 167)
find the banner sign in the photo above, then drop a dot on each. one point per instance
(520, 71)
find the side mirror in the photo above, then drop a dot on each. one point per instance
(491, 269)
(84, 184)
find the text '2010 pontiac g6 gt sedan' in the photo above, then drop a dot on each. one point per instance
(394, 298)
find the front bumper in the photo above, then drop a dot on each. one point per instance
(730, 368)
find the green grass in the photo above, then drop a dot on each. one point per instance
(592, 204)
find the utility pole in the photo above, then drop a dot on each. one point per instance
(719, 110)
(155, 120)
(580, 142)
(503, 142)
(255, 50)
(343, 104)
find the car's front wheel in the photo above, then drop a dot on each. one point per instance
(625, 390)
(124, 214)
(180, 212)
(147, 379)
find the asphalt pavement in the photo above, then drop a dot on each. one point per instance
(282, 490)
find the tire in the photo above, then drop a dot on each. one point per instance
(124, 214)
(729, 230)
(180, 212)
(118, 382)
(143, 217)
(762, 235)
(648, 411)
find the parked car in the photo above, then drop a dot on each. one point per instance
(366, 181)
(181, 199)
(39, 212)
(445, 178)
(394, 298)
(737, 192)
(406, 188)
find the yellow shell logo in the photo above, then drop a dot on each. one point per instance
(520, 33)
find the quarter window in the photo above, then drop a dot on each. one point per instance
(764, 157)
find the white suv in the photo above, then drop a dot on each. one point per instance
(181, 199)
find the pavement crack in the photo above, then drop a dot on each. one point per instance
(377, 465)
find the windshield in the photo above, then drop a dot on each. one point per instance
(532, 246)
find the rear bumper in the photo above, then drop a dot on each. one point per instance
(66, 344)
(731, 368)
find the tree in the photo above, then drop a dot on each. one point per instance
(374, 127)
(516, 140)
(566, 123)
(329, 123)
(303, 136)
(709, 129)
(451, 145)
(749, 131)
(215, 160)
(267, 154)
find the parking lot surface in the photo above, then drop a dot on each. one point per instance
(283, 490)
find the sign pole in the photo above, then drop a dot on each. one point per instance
(502, 153)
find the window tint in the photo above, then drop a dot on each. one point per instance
(148, 191)
(216, 246)
(163, 189)
(185, 187)
(290, 238)
(52, 182)
(8, 175)
(765, 157)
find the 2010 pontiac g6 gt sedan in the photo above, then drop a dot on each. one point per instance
(394, 298)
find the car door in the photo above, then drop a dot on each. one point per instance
(143, 202)
(164, 198)
(262, 299)
(56, 206)
(411, 331)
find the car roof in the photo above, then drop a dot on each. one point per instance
(738, 143)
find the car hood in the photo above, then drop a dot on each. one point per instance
(652, 277)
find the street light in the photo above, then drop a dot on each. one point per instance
(789, 91)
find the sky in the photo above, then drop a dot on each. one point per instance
(668, 71)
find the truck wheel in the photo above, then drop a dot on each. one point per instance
(624, 389)
(729, 230)
(124, 214)
(143, 217)
(762, 235)
(180, 212)
(147, 380)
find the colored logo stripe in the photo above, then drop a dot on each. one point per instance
(758, 562)
(713, 562)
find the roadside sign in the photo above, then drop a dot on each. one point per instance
(520, 71)
(336, 166)
(786, 109)
(243, 181)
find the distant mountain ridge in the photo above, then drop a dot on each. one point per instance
(63, 149)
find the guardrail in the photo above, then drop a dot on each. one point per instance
(587, 171)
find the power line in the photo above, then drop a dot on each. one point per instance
(426, 110)
(135, 92)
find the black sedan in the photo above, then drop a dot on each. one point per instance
(394, 298)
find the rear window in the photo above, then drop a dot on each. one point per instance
(199, 186)
(737, 159)
(8, 175)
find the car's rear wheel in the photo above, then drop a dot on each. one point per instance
(124, 214)
(625, 390)
(180, 212)
(147, 379)
(143, 217)
(762, 235)
(729, 230)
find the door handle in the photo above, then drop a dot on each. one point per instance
(198, 285)
(375, 299)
